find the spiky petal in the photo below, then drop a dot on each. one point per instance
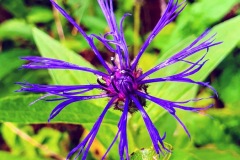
(124, 84)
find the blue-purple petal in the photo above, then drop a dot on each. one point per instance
(36, 62)
(171, 12)
(92, 134)
(88, 39)
(153, 132)
(186, 52)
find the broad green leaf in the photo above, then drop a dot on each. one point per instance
(50, 48)
(147, 61)
(84, 113)
(8, 86)
(199, 16)
(204, 13)
(202, 134)
(8, 29)
(212, 153)
(10, 60)
(228, 32)
(79, 8)
(205, 153)
(84, 13)
(39, 15)
(75, 44)
(163, 39)
(228, 86)
(95, 24)
(229, 119)
(77, 113)
(18, 107)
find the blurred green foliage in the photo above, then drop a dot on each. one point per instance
(215, 134)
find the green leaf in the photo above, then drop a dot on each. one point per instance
(84, 113)
(147, 61)
(8, 29)
(207, 13)
(228, 32)
(10, 60)
(39, 15)
(205, 153)
(95, 24)
(197, 17)
(50, 48)
(80, 112)
(75, 44)
(228, 86)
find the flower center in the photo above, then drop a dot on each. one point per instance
(124, 82)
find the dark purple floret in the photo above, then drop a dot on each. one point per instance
(124, 84)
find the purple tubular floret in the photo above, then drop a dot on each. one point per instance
(88, 39)
(104, 41)
(186, 52)
(116, 33)
(125, 49)
(170, 107)
(90, 137)
(195, 67)
(107, 9)
(153, 132)
(179, 79)
(36, 62)
(62, 105)
(171, 12)
(67, 93)
(122, 126)
(28, 87)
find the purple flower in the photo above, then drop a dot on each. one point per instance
(124, 84)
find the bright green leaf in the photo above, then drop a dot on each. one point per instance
(10, 60)
(50, 48)
(8, 29)
(39, 15)
(77, 113)
(205, 153)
